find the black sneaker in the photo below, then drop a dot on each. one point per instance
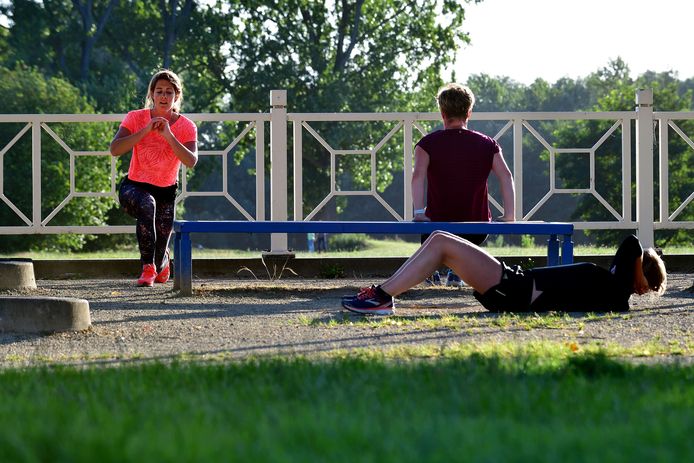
(434, 279)
(453, 280)
(369, 302)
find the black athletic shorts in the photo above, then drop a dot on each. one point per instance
(512, 294)
(160, 193)
(473, 238)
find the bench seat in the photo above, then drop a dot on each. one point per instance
(183, 259)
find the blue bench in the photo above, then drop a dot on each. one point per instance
(183, 257)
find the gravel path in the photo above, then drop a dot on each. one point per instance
(241, 318)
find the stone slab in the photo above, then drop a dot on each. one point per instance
(21, 314)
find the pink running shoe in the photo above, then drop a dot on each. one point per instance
(149, 273)
(163, 276)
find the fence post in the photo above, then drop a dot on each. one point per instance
(408, 164)
(644, 166)
(518, 166)
(278, 166)
(36, 174)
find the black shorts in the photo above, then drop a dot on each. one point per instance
(160, 193)
(474, 239)
(512, 294)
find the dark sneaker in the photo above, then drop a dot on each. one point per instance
(434, 279)
(453, 280)
(368, 301)
(149, 273)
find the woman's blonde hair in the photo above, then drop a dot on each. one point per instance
(654, 271)
(174, 80)
(455, 101)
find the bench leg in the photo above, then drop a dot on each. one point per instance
(552, 250)
(567, 250)
(185, 266)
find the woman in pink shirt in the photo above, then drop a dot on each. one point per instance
(160, 139)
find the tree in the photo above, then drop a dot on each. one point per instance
(174, 19)
(4, 48)
(348, 55)
(619, 95)
(93, 25)
(25, 90)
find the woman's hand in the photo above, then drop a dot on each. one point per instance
(160, 125)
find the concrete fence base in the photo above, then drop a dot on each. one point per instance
(43, 314)
(305, 267)
(17, 274)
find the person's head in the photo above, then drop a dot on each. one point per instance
(164, 91)
(455, 101)
(654, 271)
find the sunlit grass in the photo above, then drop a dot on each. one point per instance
(375, 248)
(471, 323)
(488, 402)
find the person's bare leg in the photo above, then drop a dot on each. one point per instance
(473, 264)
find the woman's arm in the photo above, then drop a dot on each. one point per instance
(186, 152)
(419, 176)
(124, 140)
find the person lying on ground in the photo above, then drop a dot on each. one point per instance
(500, 288)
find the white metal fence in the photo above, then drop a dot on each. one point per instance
(409, 126)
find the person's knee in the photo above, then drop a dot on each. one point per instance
(440, 236)
(146, 208)
(439, 240)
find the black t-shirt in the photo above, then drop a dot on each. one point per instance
(587, 287)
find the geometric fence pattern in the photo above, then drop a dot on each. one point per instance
(405, 125)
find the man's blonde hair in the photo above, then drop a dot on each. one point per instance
(455, 101)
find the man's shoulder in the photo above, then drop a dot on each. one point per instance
(441, 134)
(476, 134)
(433, 135)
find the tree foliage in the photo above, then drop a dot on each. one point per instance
(338, 56)
(25, 90)
(608, 89)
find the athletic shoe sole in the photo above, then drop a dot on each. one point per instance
(382, 311)
(378, 310)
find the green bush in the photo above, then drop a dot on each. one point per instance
(26, 91)
(527, 241)
(347, 242)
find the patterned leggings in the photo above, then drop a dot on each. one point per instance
(154, 222)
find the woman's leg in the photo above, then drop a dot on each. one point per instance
(163, 225)
(474, 265)
(140, 204)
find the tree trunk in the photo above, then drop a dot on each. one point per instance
(90, 33)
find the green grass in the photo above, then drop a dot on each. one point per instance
(539, 402)
(376, 248)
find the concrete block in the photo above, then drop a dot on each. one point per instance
(43, 314)
(17, 274)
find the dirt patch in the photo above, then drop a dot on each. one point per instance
(240, 318)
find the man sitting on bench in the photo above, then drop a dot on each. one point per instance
(455, 164)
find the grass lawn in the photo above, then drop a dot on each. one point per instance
(539, 402)
(375, 248)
